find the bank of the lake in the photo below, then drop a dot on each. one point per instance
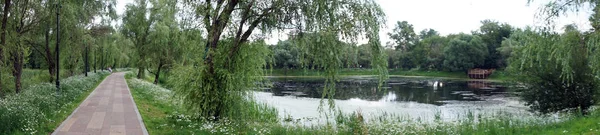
(496, 76)
(163, 115)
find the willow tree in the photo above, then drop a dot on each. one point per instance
(217, 83)
(558, 8)
(558, 68)
(136, 27)
(24, 17)
(163, 48)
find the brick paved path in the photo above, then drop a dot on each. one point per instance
(108, 110)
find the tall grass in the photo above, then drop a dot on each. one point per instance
(29, 77)
(39, 108)
(471, 124)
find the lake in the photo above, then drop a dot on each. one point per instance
(409, 97)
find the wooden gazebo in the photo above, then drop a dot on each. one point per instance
(480, 73)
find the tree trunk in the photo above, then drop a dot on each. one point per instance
(7, 4)
(95, 63)
(17, 59)
(49, 58)
(102, 60)
(86, 61)
(140, 72)
(217, 84)
(160, 64)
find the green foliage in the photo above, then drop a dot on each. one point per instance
(216, 83)
(404, 36)
(493, 33)
(163, 113)
(286, 55)
(541, 64)
(24, 113)
(364, 56)
(136, 27)
(432, 49)
(428, 33)
(514, 42)
(203, 98)
(464, 52)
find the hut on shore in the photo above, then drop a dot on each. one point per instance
(480, 73)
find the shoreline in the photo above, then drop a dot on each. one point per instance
(401, 76)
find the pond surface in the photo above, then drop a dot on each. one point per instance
(412, 98)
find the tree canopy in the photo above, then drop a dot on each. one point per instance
(232, 57)
(465, 52)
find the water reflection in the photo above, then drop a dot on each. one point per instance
(421, 90)
(415, 98)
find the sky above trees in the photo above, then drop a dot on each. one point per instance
(455, 16)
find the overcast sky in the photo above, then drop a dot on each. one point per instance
(455, 16)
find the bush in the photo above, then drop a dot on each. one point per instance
(30, 110)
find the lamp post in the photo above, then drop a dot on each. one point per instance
(57, 46)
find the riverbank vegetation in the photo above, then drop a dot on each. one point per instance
(497, 76)
(164, 114)
(211, 54)
(209, 84)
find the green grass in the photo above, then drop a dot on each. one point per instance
(154, 112)
(498, 75)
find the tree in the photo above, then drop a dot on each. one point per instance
(350, 57)
(516, 40)
(492, 33)
(404, 36)
(393, 58)
(427, 33)
(230, 66)
(464, 52)
(364, 56)
(287, 55)
(567, 67)
(432, 48)
(136, 26)
(539, 66)
(164, 48)
(6, 10)
(24, 17)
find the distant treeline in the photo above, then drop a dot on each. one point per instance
(426, 50)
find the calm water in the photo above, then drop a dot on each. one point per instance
(415, 98)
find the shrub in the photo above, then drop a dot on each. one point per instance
(30, 110)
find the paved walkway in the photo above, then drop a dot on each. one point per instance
(108, 110)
